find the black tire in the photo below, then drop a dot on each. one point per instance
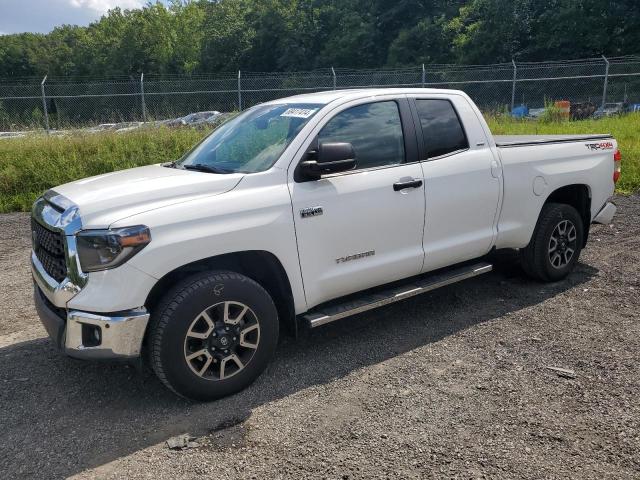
(538, 259)
(181, 311)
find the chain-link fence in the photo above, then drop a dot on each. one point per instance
(58, 103)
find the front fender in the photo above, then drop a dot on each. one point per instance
(254, 216)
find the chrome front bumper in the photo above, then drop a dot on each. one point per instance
(93, 336)
(120, 335)
(79, 334)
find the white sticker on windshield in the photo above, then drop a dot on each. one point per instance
(298, 112)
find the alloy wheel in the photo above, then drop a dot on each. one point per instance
(562, 244)
(222, 340)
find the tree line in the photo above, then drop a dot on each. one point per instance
(200, 36)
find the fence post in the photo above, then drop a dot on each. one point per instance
(606, 81)
(513, 87)
(144, 105)
(239, 93)
(44, 105)
(424, 76)
(333, 73)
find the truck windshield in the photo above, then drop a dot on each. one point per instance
(250, 142)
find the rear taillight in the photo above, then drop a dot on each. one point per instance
(617, 160)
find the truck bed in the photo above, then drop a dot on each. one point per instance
(507, 141)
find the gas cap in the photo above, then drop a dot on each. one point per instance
(539, 186)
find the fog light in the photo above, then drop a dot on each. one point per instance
(91, 335)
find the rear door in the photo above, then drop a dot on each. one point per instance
(361, 228)
(462, 181)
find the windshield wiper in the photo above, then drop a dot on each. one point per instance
(201, 167)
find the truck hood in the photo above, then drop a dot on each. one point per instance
(105, 199)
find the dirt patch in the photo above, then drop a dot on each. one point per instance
(449, 384)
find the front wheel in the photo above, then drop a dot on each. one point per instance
(212, 335)
(556, 243)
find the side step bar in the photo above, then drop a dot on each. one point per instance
(336, 311)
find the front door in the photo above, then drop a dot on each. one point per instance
(354, 229)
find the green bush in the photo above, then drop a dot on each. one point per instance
(30, 165)
(552, 114)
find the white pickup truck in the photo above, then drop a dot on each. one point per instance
(305, 209)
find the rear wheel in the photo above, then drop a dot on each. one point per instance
(212, 335)
(556, 243)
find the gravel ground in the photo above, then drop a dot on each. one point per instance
(448, 384)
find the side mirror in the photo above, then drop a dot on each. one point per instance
(330, 158)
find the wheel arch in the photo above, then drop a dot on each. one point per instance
(259, 265)
(579, 197)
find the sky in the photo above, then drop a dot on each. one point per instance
(42, 15)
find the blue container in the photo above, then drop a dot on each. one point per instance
(520, 112)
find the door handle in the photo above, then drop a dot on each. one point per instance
(410, 184)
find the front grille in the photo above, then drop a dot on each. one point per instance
(49, 248)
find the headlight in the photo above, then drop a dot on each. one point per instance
(103, 249)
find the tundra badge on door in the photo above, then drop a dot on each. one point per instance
(356, 256)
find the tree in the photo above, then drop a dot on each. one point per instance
(195, 36)
(227, 35)
(496, 29)
(425, 43)
(188, 23)
(351, 38)
(584, 28)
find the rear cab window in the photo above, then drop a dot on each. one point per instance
(442, 130)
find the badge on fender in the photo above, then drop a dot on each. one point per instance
(311, 212)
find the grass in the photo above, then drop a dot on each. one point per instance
(33, 164)
(30, 165)
(625, 129)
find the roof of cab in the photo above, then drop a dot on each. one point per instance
(328, 96)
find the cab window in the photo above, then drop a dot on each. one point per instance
(441, 128)
(374, 130)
